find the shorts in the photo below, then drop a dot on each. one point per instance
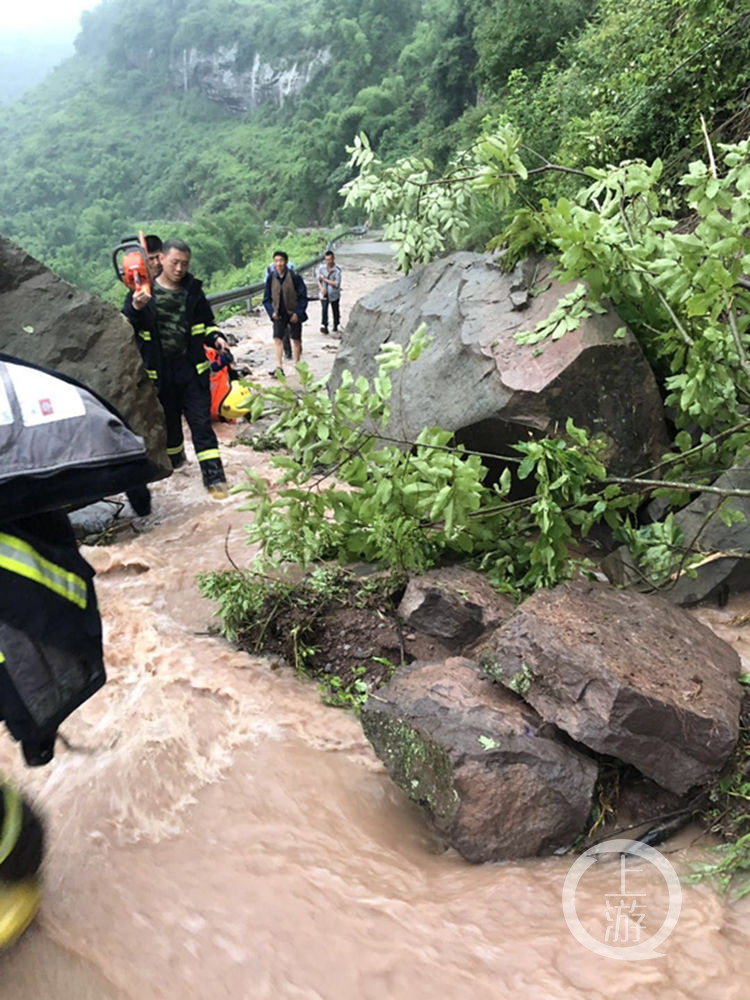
(292, 330)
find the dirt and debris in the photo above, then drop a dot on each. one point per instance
(341, 624)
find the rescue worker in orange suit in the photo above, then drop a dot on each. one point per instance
(173, 325)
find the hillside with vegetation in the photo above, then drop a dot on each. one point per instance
(614, 137)
(208, 119)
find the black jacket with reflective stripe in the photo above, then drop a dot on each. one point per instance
(200, 328)
(50, 630)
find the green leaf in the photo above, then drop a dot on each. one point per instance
(576, 434)
(487, 743)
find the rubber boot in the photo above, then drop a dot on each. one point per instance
(214, 479)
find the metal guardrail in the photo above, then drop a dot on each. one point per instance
(245, 294)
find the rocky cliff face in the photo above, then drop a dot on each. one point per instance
(219, 77)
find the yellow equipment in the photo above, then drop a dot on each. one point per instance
(19, 904)
(19, 896)
(235, 404)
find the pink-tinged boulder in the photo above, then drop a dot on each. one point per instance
(475, 379)
(493, 780)
(626, 675)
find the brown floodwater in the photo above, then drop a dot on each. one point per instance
(216, 832)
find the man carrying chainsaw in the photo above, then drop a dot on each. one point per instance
(173, 322)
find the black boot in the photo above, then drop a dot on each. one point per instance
(139, 499)
(214, 478)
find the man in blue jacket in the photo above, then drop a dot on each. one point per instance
(285, 301)
(172, 326)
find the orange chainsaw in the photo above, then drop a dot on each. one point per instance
(132, 269)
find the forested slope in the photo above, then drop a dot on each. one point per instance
(220, 114)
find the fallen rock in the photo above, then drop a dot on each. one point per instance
(625, 675)
(454, 604)
(493, 780)
(703, 528)
(48, 322)
(703, 531)
(476, 380)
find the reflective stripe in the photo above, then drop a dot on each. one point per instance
(204, 456)
(152, 373)
(198, 329)
(202, 366)
(145, 335)
(212, 329)
(19, 557)
(177, 449)
(12, 819)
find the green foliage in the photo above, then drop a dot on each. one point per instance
(487, 743)
(630, 83)
(351, 693)
(426, 214)
(509, 35)
(343, 493)
(127, 129)
(570, 496)
(681, 292)
(522, 681)
(658, 549)
(244, 600)
(390, 497)
(567, 315)
(729, 816)
(731, 869)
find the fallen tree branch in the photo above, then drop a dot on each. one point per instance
(671, 459)
(709, 147)
(663, 484)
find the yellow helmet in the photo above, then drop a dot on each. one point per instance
(235, 404)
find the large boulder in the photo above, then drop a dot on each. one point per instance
(476, 380)
(49, 322)
(625, 675)
(493, 780)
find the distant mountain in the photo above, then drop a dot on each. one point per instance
(27, 57)
(216, 114)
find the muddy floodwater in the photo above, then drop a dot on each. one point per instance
(216, 832)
